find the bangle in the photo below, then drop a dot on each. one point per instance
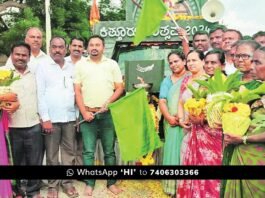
(245, 138)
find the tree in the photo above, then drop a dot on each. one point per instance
(16, 33)
(111, 13)
(69, 18)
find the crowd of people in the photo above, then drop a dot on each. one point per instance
(189, 140)
(45, 104)
(53, 93)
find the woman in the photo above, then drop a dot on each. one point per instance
(242, 60)
(214, 59)
(168, 104)
(250, 149)
(11, 99)
(201, 144)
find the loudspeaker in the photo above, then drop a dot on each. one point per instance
(213, 11)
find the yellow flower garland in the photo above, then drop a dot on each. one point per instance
(195, 107)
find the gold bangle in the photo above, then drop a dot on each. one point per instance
(245, 138)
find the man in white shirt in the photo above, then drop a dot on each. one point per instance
(230, 36)
(76, 49)
(34, 40)
(56, 104)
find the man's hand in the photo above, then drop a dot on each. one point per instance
(182, 33)
(104, 107)
(47, 127)
(10, 107)
(88, 116)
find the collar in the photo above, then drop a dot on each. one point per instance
(12, 67)
(52, 62)
(103, 58)
(41, 53)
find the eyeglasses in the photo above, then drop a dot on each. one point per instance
(243, 56)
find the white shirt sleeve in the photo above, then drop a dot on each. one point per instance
(42, 106)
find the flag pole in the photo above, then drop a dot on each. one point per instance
(174, 21)
(47, 24)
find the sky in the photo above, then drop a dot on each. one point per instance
(244, 15)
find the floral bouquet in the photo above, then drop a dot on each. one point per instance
(218, 89)
(235, 118)
(6, 79)
(236, 114)
(195, 107)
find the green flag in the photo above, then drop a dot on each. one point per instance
(134, 126)
(149, 20)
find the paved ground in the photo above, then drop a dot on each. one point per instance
(131, 189)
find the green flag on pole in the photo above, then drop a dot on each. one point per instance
(134, 126)
(149, 20)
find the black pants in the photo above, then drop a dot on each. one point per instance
(27, 149)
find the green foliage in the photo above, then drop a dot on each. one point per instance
(17, 32)
(9, 79)
(68, 19)
(219, 83)
(246, 95)
(199, 93)
(108, 12)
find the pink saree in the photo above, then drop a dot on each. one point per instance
(5, 185)
(203, 147)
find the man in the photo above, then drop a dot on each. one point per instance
(230, 36)
(24, 125)
(258, 63)
(34, 40)
(201, 41)
(56, 104)
(98, 82)
(216, 37)
(243, 59)
(260, 37)
(76, 49)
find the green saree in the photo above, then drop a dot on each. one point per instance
(248, 154)
(173, 135)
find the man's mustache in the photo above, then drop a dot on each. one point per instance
(21, 61)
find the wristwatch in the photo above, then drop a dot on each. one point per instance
(245, 138)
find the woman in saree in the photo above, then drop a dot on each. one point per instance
(244, 50)
(8, 104)
(214, 59)
(250, 149)
(168, 104)
(201, 144)
(242, 60)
